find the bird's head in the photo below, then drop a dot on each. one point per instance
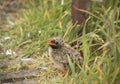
(56, 43)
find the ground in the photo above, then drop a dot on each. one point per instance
(16, 70)
(26, 27)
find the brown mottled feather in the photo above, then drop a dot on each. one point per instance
(59, 55)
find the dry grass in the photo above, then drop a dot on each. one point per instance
(44, 19)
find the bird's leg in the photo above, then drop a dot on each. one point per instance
(63, 72)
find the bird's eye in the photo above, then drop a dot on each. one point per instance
(56, 42)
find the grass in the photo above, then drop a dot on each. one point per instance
(45, 19)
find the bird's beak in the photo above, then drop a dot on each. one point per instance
(51, 44)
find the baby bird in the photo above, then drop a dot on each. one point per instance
(59, 52)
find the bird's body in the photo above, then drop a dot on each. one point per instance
(59, 52)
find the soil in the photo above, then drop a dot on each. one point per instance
(9, 12)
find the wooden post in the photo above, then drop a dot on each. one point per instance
(77, 16)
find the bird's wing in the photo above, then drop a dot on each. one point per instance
(75, 55)
(62, 55)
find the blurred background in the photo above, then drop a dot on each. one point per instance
(27, 25)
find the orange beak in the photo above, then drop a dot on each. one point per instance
(51, 44)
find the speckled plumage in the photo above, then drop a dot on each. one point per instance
(59, 55)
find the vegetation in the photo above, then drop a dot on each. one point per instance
(44, 19)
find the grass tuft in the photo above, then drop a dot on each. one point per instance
(45, 19)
